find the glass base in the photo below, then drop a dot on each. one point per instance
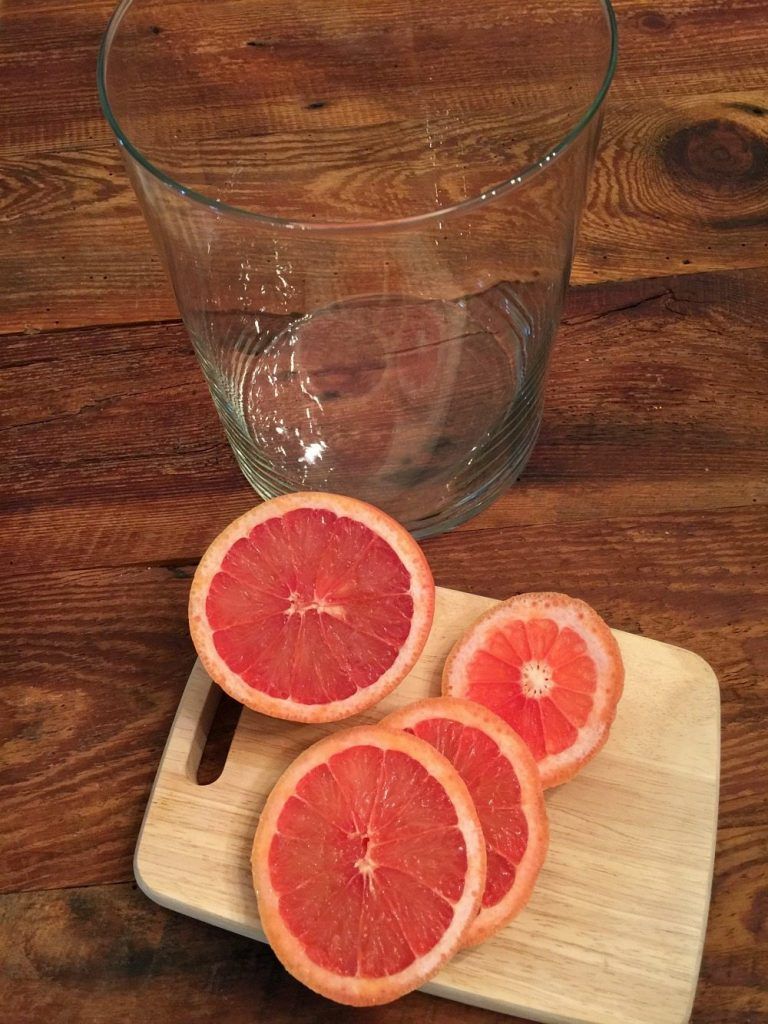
(427, 410)
(488, 487)
(430, 526)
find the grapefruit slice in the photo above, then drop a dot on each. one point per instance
(368, 864)
(550, 667)
(503, 781)
(311, 607)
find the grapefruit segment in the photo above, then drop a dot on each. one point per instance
(368, 864)
(503, 781)
(311, 607)
(550, 667)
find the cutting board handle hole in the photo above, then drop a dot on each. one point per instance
(220, 734)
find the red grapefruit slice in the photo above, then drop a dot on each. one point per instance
(503, 781)
(311, 607)
(368, 864)
(550, 667)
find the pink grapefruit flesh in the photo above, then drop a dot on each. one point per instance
(311, 607)
(503, 781)
(551, 668)
(369, 865)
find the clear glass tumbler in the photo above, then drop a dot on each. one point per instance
(368, 212)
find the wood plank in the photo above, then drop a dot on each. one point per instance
(88, 699)
(96, 662)
(60, 40)
(97, 952)
(55, 42)
(681, 181)
(679, 186)
(106, 952)
(120, 458)
(74, 247)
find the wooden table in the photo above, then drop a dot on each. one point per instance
(646, 495)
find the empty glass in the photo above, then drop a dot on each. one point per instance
(368, 213)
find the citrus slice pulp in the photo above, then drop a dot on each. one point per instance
(368, 864)
(550, 667)
(503, 781)
(311, 607)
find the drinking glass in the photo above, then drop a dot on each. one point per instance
(368, 212)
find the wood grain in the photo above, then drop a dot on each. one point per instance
(89, 954)
(680, 184)
(75, 737)
(646, 496)
(120, 459)
(677, 49)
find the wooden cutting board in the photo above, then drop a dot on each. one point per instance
(614, 931)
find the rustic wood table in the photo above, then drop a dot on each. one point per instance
(646, 495)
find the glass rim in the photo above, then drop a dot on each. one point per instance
(342, 227)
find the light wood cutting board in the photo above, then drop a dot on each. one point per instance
(614, 931)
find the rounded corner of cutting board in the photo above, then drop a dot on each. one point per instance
(142, 872)
(694, 664)
(705, 671)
